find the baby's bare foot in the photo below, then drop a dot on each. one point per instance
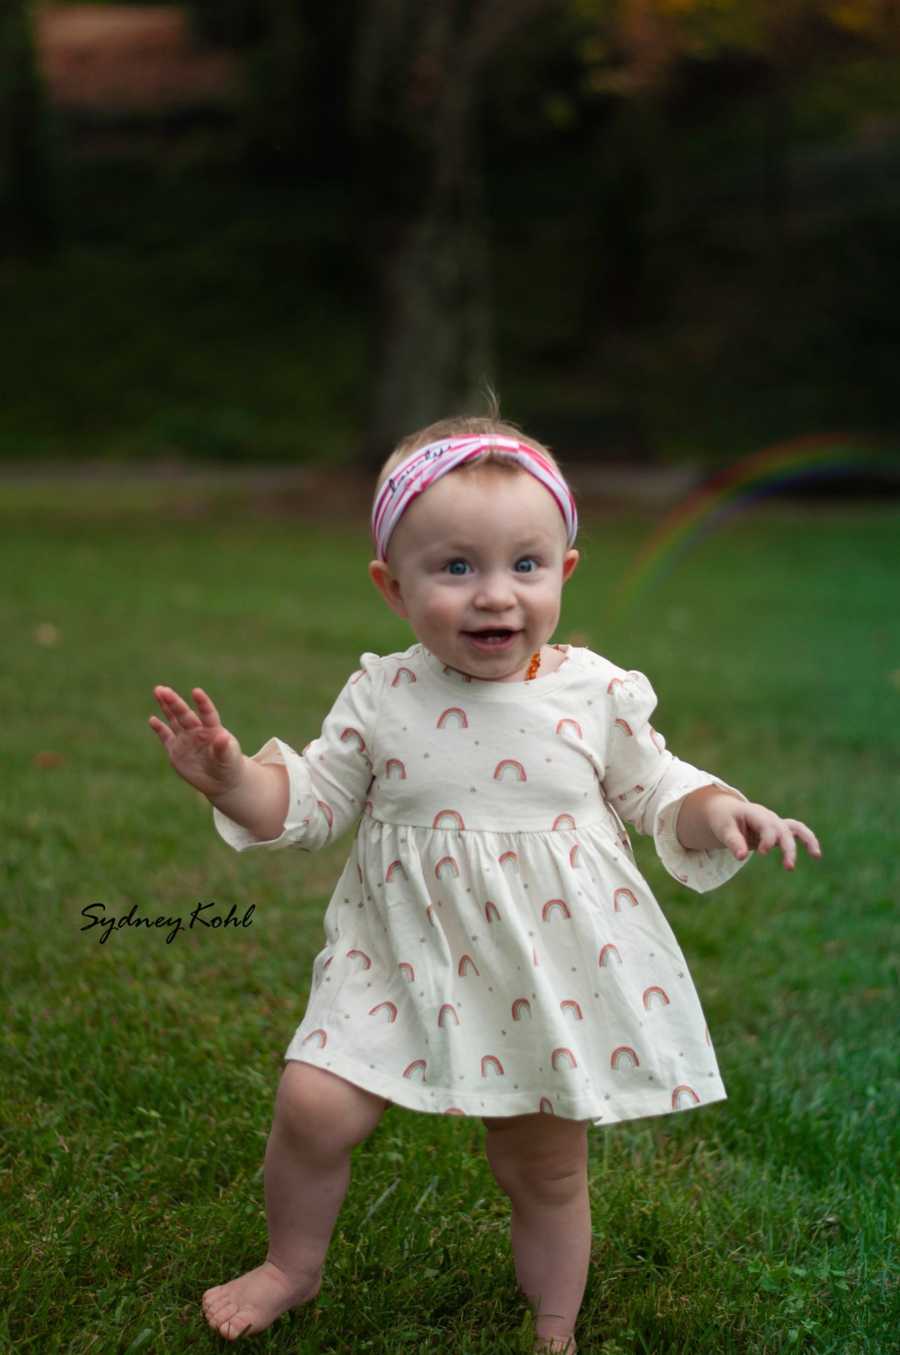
(565, 1345)
(253, 1301)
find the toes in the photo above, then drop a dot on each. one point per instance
(229, 1321)
(237, 1326)
(219, 1306)
(225, 1314)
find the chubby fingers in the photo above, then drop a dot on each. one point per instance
(781, 832)
(175, 708)
(205, 708)
(734, 840)
(162, 730)
(806, 836)
(785, 839)
(179, 712)
(770, 829)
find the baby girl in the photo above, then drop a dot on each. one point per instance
(491, 948)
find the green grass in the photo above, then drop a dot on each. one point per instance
(139, 1076)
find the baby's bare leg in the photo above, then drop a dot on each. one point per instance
(540, 1161)
(319, 1119)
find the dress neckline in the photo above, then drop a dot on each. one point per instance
(501, 691)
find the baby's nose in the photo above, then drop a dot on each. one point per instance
(495, 592)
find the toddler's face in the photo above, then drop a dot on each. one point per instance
(481, 551)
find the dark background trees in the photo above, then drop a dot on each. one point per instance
(27, 214)
(659, 227)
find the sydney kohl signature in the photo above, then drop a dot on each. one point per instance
(201, 916)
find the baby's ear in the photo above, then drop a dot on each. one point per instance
(387, 585)
(570, 564)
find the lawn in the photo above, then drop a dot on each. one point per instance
(140, 1074)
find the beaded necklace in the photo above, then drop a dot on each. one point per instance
(534, 665)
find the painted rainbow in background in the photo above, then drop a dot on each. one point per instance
(737, 487)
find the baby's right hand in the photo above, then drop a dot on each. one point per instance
(198, 745)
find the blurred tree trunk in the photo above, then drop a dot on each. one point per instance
(418, 73)
(29, 225)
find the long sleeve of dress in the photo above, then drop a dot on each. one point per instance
(329, 780)
(646, 784)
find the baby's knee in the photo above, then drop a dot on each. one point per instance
(537, 1159)
(325, 1112)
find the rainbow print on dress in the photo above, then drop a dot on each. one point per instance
(454, 717)
(350, 735)
(654, 996)
(453, 815)
(509, 770)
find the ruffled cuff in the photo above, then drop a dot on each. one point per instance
(697, 868)
(302, 804)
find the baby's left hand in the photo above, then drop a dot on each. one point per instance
(742, 826)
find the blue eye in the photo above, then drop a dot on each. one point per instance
(526, 559)
(451, 563)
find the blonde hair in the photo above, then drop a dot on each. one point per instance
(466, 426)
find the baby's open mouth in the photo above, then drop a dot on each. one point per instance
(493, 636)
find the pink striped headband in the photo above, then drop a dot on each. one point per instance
(426, 465)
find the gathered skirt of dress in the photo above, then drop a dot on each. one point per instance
(537, 973)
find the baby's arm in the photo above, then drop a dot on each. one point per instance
(704, 829)
(208, 757)
(710, 818)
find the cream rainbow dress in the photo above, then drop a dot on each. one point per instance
(491, 947)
